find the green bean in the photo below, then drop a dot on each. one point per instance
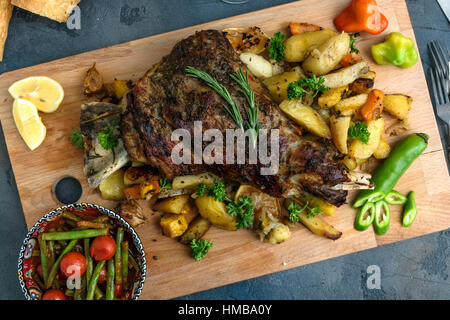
(93, 225)
(55, 266)
(38, 280)
(94, 280)
(98, 294)
(69, 292)
(110, 280)
(101, 219)
(133, 262)
(89, 263)
(44, 257)
(78, 234)
(71, 216)
(79, 292)
(125, 264)
(51, 253)
(118, 256)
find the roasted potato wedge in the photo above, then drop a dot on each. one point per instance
(346, 75)
(173, 205)
(397, 105)
(339, 130)
(327, 56)
(112, 187)
(251, 39)
(317, 225)
(215, 212)
(187, 182)
(383, 150)
(196, 230)
(307, 117)
(331, 97)
(359, 150)
(348, 106)
(137, 175)
(299, 45)
(258, 66)
(173, 225)
(278, 85)
(278, 234)
(326, 207)
(364, 84)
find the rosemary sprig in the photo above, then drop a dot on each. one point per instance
(232, 108)
(253, 109)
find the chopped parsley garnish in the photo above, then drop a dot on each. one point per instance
(200, 248)
(243, 211)
(352, 42)
(310, 86)
(359, 132)
(165, 183)
(294, 210)
(107, 139)
(277, 48)
(76, 138)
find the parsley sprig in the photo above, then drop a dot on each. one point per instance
(165, 183)
(277, 48)
(294, 210)
(353, 40)
(107, 139)
(310, 86)
(243, 211)
(76, 138)
(359, 131)
(200, 248)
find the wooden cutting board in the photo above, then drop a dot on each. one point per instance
(240, 255)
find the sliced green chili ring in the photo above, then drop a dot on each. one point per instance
(390, 171)
(365, 216)
(382, 218)
(370, 197)
(409, 211)
(395, 197)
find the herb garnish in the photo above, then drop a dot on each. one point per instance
(353, 41)
(107, 139)
(277, 48)
(310, 86)
(76, 138)
(232, 108)
(294, 210)
(359, 132)
(200, 248)
(165, 183)
(243, 211)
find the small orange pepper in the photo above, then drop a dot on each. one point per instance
(373, 108)
(301, 27)
(133, 192)
(362, 15)
(350, 59)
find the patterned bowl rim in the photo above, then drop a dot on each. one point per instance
(52, 214)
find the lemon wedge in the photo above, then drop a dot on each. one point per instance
(28, 123)
(45, 93)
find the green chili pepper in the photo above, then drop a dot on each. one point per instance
(397, 50)
(395, 197)
(382, 217)
(410, 211)
(365, 216)
(390, 171)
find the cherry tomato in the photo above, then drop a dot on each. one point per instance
(54, 294)
(103, 248)
(102, 276)
(117, 290)
(73, 264)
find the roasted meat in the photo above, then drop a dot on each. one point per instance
(164, 99)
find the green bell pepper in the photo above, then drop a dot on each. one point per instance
(397, 50)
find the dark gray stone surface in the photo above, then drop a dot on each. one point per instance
(412, 269)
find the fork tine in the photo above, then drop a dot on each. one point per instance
(440, 88)
(433, 56)
(445, 58)
(434, 88)
(438, 59)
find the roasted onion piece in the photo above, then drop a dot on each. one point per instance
(247, 39)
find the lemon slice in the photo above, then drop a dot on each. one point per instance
(45, 93)
(28, 123)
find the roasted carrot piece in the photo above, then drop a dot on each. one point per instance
(301, 27)
(350, 59)
(133, 192)
(372, 109)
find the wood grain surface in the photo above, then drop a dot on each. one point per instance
(240, 255)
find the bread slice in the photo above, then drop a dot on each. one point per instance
(58, 10)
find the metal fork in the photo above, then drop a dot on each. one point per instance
(441, 99)
(441, 60)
